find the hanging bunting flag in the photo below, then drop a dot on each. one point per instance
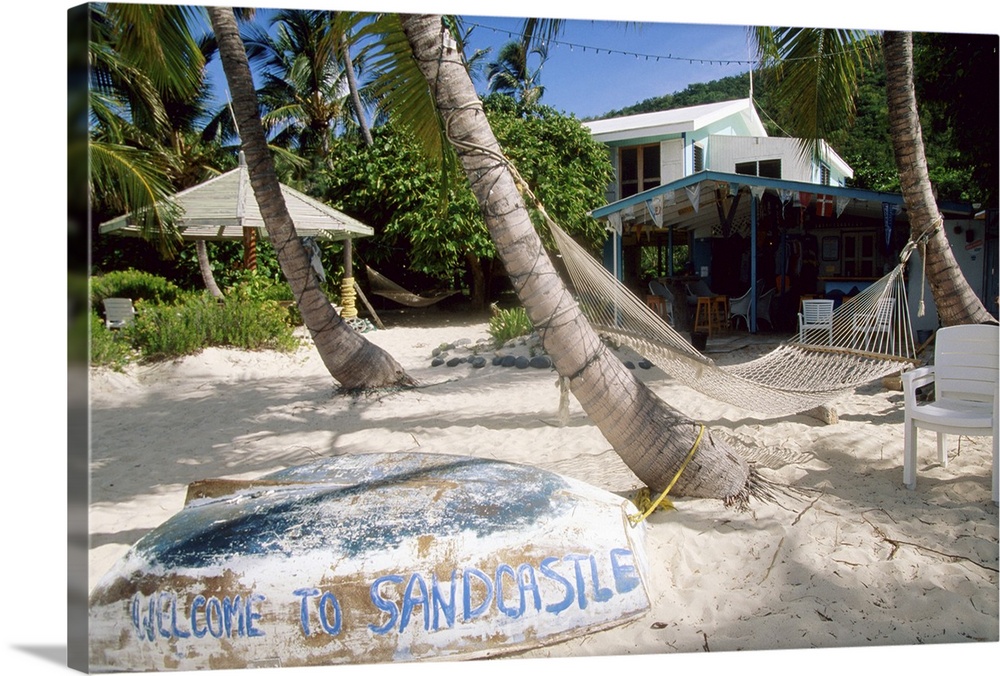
(757, 191)
(842, 203)
(615, 223)
(824, 205)
(638, 233)
(888, 219)
(804, 199)
(694, 195)
(786, 195)
(655, 207)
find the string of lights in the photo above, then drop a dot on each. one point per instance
(751, 63)
(573, 46)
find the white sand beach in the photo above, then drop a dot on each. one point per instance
(848, 557)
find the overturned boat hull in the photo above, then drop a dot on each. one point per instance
(371, 558)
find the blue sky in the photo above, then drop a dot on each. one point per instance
(596, 66)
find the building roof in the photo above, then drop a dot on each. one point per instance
(676, 121)
(221, 207)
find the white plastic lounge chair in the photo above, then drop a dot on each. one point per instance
(966, 364)
(816, 317)
(118, 312)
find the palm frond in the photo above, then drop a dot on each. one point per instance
(129, 180)
(816, 72)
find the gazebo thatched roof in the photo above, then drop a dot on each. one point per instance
(221, 207)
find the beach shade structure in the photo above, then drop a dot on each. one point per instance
(224, 207)
(379, 557)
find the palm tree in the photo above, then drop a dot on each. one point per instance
(511, 75)
(152, 125)
(817, 73)
(304, 90)
(955, 300)
(132, 74)
(652, 438)
(353, 361)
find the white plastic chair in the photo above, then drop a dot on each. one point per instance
(965, 377)
(118, 312)
(816, 316)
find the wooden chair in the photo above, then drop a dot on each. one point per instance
(965, 378)
(816, 317)
(661, 291)
(118, 312)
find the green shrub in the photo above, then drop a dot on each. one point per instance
(163, 331)
(508, 324)
(259, 286)
(133, 284)
(253, 325)
(108, 348)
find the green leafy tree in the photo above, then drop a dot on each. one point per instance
(141, 56)
(953, 73)
(394, 187)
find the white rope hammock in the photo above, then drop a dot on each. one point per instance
(385, 287)
(870, 338)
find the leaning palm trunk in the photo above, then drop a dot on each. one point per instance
(205, 266)
(353, 361)
(955, 300)
(651, 437)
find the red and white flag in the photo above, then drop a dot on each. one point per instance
(824, 205)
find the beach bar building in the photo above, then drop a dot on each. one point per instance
(703, 195)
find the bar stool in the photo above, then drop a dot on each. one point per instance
(720, 312)
(711, 314)
(703, 315)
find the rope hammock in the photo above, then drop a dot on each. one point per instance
(869, 338)
(385, 287)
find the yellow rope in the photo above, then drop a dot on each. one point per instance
(642, 497)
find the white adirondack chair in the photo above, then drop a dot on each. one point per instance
(816, 317)
(118, 312)
(966, 401)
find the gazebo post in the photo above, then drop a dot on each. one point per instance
(249, 248)
(347, 294)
